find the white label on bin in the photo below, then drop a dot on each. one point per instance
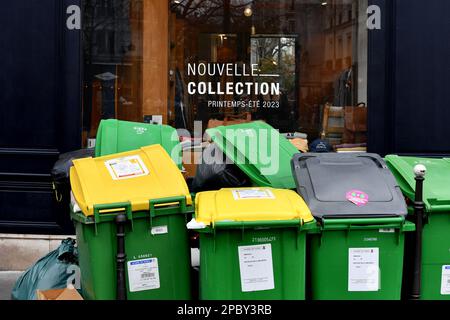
(126, 168)
(244, 194)
(363, 270)
(388, 230)
(160, 230)
(256, 268)
(143, 275)
(445, 282)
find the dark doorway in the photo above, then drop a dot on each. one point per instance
(40, 111)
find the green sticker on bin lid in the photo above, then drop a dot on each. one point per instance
(358, 197)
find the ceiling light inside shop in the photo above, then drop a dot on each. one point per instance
(248, 12)
(324, 3)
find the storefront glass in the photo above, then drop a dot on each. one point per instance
(300, 65)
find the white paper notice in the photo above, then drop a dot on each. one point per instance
(256, 267)
(143, 275)
(160, 230)
(363, 269)
(126, 168)
(445, 282)
(243, 194)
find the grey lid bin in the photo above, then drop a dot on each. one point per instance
(329, 183)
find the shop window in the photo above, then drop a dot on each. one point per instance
(112, 35)
(284, 62)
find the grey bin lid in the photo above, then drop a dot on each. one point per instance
(347, 185)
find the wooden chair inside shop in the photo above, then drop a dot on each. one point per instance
(356, 124)
(346, 125)
(333, 124)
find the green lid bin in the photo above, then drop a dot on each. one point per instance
(144, 193)
(252, 244)
(357, 252)
(115, 136)
(259, 150)
(435, 277)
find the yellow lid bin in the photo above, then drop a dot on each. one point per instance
(135, 177)
(131, 234)
(252, 244)
(250, 205)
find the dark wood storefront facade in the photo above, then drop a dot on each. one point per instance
(41, 97)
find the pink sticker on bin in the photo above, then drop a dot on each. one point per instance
(357, 197)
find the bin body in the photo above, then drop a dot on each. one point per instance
(97, 258)
(252, 248)
(219, 263)
(259, 151)
(435, 279)
(334, 265)
(148, 188)
(116, 136)
(357, 252)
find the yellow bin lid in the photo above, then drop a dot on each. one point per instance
(250, 204)
(135, 176)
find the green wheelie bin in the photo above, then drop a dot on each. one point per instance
(115, 136)
(129, 212)
(435, 260)
(252, 243)
(357, 251)
(259, 150)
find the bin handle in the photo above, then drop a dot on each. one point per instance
(115, 208)
(160, 205)
(374, 159)
(374, 223)
(257, 224)
(166, 206)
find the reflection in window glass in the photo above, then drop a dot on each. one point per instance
(314, 50)
(300, 65)
(112, 36)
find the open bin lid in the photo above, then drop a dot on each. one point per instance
(436, 193)
(347, 185)
(250, 205)
(115, 136)
(259, 150)
(136, 177)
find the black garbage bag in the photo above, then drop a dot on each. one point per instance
(217, 171)
(61, 184)
(53, 271)
(61, 169)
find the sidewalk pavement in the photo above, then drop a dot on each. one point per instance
(7, 281)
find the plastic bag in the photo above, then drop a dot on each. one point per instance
(217, 171)
(61, 169)
(61, 173)
(50, 272)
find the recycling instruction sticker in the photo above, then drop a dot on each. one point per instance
(126, 168)
(245, 194)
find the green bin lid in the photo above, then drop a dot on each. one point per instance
(436, 191)
(259, 150)
(116, 136)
